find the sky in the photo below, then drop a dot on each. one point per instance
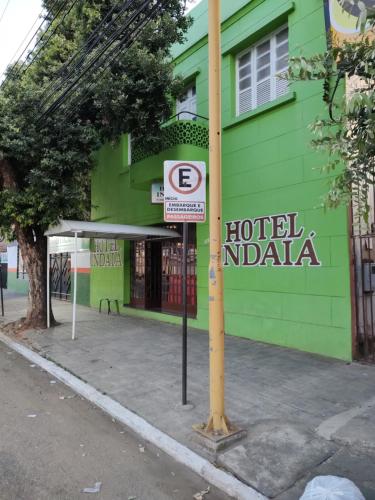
(18, 19)
(192, 3)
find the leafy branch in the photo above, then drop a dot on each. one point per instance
(348, 133)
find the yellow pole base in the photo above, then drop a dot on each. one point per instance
(223, 428)
(216, 440)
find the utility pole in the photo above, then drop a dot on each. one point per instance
(218, 429)
(217, 421)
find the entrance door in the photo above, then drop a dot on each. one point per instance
(138, 274)
(156, 274)
(172, 253)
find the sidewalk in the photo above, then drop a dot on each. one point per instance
(305, 415)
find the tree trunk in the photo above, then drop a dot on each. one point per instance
(33, 247)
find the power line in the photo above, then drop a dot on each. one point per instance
(115, 52)
(90, 45)
(13, 69)
(57, 103)
(26, 36)
(51, 35)
(4, 10)
(22, 43)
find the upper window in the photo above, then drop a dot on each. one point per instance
(257, 70)
(186, 105)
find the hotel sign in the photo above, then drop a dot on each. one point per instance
(157, 193)
(184, 191)
(274, 240)
(106, 253)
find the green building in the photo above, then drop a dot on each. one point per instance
(287, 271)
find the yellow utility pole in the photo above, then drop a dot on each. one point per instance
(217, 423)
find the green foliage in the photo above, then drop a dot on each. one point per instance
(348, 133)
(51, 159)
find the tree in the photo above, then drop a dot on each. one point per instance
(348, 133)
(48, 134)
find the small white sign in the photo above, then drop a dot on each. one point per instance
(157, 193)
(184, 191)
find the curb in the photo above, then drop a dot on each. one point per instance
(217, 477)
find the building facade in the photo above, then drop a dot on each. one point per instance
(61, 269)
(286, 260)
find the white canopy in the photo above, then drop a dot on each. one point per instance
(81, 229)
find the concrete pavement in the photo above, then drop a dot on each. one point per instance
(54, 444)
(305, 414)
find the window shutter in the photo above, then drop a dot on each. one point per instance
(257, 70)
(188, 102)
(281, 61)
(245, 101)
(263, 73)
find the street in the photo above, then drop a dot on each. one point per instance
(54, 444)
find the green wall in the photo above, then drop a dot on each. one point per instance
(17, 285)
(269, 167)
(83, 288)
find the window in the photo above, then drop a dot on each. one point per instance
(186, 105)
(257, 70)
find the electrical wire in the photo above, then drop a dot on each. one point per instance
(13, 69)
(90, 45)
(4, 10)
(25, 38)
(51, 35)
(120, 31)
(107, 44)
(115, 52)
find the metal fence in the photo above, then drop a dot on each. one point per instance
(363, 275)
(60, 276)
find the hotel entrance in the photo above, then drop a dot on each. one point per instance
(156, 273)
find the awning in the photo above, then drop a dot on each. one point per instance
(71, 228)
(81, 229)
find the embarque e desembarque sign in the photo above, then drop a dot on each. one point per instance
(275, 240)
(184, 191)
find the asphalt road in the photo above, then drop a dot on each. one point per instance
(53, 444)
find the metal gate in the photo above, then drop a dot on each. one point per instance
(363, 271)
(60, 275)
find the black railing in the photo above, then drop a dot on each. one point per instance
(174, 132)
(195, 115)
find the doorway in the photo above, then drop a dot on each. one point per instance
(156, 273)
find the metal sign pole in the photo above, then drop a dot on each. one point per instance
(75, 287)
(48, 297)
(184, 201)
(184, 312)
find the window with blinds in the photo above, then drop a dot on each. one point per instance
(186, 105)
(257, 72)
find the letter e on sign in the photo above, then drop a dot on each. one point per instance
(184, 191)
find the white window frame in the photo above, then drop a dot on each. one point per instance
(252, 50)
